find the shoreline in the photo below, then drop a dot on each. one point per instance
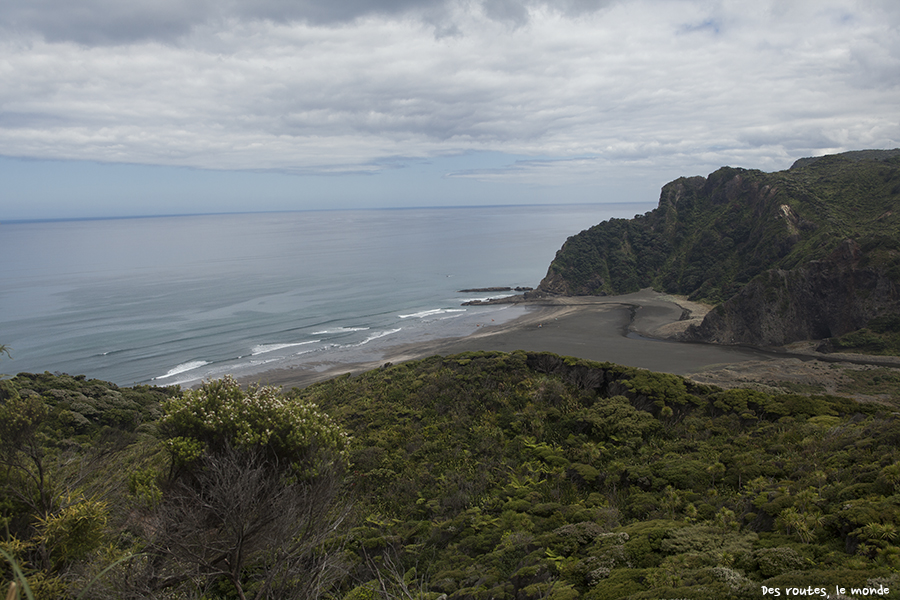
(305, 374)
(626, 329)
(629, 330)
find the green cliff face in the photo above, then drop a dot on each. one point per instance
(711, 237)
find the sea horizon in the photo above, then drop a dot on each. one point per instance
(178, 299)
(20, 221)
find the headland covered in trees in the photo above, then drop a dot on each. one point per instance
(519, 474)
(809, 253)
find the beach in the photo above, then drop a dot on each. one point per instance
(627, 329)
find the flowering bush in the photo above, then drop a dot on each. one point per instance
(221, 414)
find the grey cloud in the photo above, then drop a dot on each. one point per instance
(325, 12)
(629, 85)
(104, 22)
(101, 22)
(510, 11)
(95, 22)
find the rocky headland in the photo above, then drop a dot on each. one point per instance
(810, 253)
(816, 301)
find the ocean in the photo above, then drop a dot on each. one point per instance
(175, 300)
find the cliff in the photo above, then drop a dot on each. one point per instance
(822, 299)
(808, 253)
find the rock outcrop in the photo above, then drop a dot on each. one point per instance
(812, 252)
(822, 299)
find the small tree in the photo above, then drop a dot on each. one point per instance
(4, 349)
(250, 499)
(53, 513)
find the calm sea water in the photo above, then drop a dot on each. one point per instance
(177, 299)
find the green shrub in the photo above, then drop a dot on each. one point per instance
(771, 562)
(220, 414)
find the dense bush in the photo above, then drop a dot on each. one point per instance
(221, 414)
(518, 476)
(604, 490)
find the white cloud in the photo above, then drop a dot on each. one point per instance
(307, 88)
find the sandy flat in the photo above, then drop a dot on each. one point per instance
(611, 328)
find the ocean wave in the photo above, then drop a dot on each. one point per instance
(455, 316)
(108, 352)
(375, 336)
(182, 368)
(265, 361)
(264, 348)
(431, 313)
(339, 330)
(485, 298)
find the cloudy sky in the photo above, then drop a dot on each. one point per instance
(180, 106)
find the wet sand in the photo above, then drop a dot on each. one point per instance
(618, 329)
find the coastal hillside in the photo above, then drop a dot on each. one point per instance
(812, 252)
(480, 475)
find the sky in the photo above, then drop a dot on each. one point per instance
(111, 108)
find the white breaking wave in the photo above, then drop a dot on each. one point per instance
(339, 330)
(485, 298)
(431, 313)
(451, 317)
(183, 367)
(263, 348)
(380, 334)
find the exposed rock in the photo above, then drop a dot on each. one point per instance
(495, 289)
(809, 253)
(504, 300)
(824, 298)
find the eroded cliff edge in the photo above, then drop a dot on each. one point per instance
(822, 299)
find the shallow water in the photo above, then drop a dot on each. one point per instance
(170, 300)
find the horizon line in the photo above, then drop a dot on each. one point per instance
(301, 210)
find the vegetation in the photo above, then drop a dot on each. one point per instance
(872, 382)
(709, 237)
(63, 443)
(880, 336)
(218, 491)
(481, 475)
(4, 350)
(530, 475)
(249, 499)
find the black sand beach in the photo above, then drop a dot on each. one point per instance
(617, 329)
